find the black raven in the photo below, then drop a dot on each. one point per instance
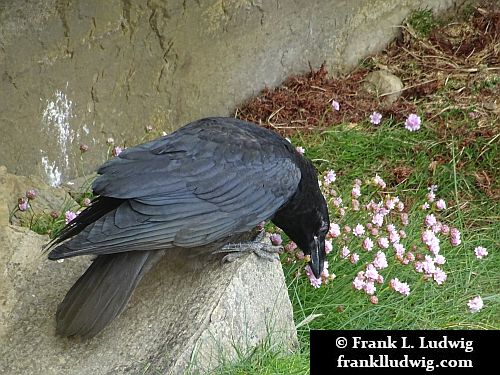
(205, 185)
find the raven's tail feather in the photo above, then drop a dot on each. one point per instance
(102, 292)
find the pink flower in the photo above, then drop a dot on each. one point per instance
(316, 283)
(400, 206)
(439, 276)
(300, 255)
(347, 229)
(337, 202)
(31, 194)
(334, 230)
(428, 265)
(117, 150)
(291, 246)
(355, 204)
(475, 304)
(439, 259)
(425, 206)
(354, 258)
(374, 299)
(328, 246)
(276, 239)
(356, 191)
(412, 123)
(69, 216)
(345, 252)
(394, 237)
(300, 150)
(380, 261)
(378, 220)
(374, 232)
(378, 181)
(380, 279)
(399, 286)
(430, 220)
(22, 204)
(402, 233)
(445, 229)
(383, 242)
(335, 105)
(369, 288)
(371, 272)
(455, 237)
(390, 203)
(431, 196)
(480, 252)
(358, 230)
(330, 177)
(400, 249)
(358, 283)
(441, 204)
(368, 244)
(404, 219)
(375, 118)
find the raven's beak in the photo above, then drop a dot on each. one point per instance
(316, 259)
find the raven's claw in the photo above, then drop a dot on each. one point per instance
(259, 248)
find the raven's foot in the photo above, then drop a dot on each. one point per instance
(237, 250)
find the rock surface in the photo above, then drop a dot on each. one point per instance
(384, 85)
(186, 315)
(81, 71)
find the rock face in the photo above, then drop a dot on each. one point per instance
(384, 85)
(81, 71)
(187, 314)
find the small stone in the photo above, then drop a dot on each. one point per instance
(385, 85)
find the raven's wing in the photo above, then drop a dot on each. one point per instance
(200, 184)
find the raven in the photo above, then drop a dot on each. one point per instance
(206, 185)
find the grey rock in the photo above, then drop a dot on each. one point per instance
(187, 314)
(384, 85)
(81, 71)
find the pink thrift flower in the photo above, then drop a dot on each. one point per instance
(374, 232)
(480, 252)
(371, 272)
(400, 206)
(441, 204)
(380, 279)
(358, 230)
(410, 256)
(354, 258)
(439, 259)
(347, 229)
(300, 150)
(31, 194)
(390, 228)
(300, 255)
(369, 288)
(117, 150)
(455, 237)
(23, 204)
(276, 239)
(400, 249)
(330, 177)
(419, 267)
(380, 261)
(399, 286)
(342, 211)
(316, 283)
(328, 246)
(358, 283)
(390, 204)
(475, 304)
(404, 219)
(445, 229)
(378, 220)
(356, 191)
(335, 105)
(337, 202)
(69, 216)
(394, 237)
(428, 265)
(375, 118)
(436, 228)
(378, 181)
(439, 276)
(345, 252)
(368, 244)
(412, 123)
(290, 247)
(402, 233)
(383, 242)
(334, 230)
(425, 206)
(431, 196)
(430, 220)
(374, 299)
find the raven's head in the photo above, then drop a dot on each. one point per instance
(305, 220)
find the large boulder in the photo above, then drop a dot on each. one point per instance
(76, 72)
(189, 312)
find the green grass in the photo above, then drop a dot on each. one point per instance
(423, 22)
(361, 152)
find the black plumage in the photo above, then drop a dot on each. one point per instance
(205, 185)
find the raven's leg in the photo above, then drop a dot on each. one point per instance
(259, 248)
